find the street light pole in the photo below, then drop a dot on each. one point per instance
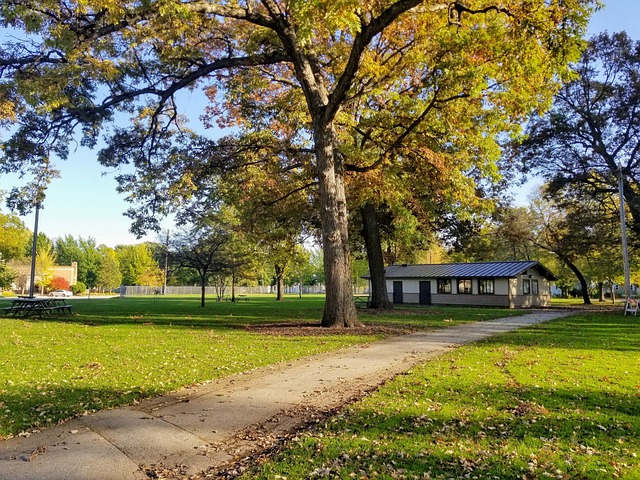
(623, 226)
(33, 252)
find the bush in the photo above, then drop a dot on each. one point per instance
(8, 293)
(78, 288)
(59, 283)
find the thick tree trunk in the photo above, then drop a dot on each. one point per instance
(632, 199)
(581, 279)
(371, 233)
(279, 283)
(339, 307)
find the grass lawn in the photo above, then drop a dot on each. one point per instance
(559, 400)
(114, 351)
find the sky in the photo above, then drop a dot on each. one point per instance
(83, 202)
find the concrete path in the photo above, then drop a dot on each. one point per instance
(208, 426)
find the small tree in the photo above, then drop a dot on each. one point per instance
(200, 249)
(45, 261)
(78, 288)
(219, 280)
(59, 283)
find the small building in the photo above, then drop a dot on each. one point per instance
(496, 284)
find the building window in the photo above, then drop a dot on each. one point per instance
(444, 285)
(485, 285)
(526, 286)
(534, 287)
(464, 285)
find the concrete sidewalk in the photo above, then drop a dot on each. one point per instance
(211, 425)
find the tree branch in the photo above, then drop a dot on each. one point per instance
(288, 194)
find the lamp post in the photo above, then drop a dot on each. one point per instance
(33, 252)
(623, 226)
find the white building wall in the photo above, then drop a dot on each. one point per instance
(501, 286)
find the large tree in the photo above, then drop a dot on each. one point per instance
(83, 62)
(591, 135)
(137, 265)
(109, 275)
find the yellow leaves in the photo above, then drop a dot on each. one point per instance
(7, 109)
(322, 17)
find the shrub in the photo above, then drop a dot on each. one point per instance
(78, 288)
(59, 283)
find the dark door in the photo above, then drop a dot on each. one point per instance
(425, 293)
(397, 292)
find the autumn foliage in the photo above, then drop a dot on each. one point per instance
(59, 283)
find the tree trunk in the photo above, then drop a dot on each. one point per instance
(339, 306)
(233, 285)
(371, 233)
(583, 282)
(613, 292)
(632, 199)
(279, 283)
(203, 288)
(601, 291)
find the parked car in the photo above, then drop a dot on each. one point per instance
(60, 293)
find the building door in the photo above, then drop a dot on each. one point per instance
(397, 292)
(425, 293)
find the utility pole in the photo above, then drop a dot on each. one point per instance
(623, 226)
(34, 252)
(166, 265)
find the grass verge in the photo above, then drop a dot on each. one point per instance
(114, 351)
(559, 400)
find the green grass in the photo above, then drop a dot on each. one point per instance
(559, 400)
(114, 351)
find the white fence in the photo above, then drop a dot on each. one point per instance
(137, 290)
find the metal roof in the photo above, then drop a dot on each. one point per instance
(466, 270)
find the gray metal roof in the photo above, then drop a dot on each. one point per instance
(466, 270)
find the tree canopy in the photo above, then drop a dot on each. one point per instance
(77, 67)
(591, 135)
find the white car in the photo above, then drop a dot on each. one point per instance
(60, 293)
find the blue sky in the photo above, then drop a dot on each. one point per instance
(84, 202)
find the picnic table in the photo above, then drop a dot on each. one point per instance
(361, 301)
(37, 306)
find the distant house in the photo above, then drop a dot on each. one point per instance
(497, 284)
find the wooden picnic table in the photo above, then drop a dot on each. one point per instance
(37, 306)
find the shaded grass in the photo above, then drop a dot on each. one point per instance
(114, 351)
(558, 400)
